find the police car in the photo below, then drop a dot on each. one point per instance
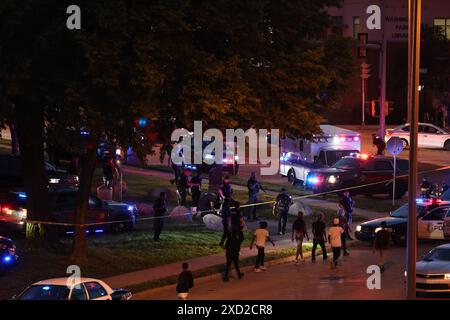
(71, 289)
(430, 223)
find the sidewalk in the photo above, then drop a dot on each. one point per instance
(195, 264)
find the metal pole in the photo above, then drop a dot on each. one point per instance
(363, 95)
(383, 52)
(414, 22)
(393, 183)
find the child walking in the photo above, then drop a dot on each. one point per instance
(185, 282)
(259, 238)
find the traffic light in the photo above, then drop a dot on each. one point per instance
(375, 108)
(365, 69)
(362, 50)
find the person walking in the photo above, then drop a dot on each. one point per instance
(334, 238)
(195, 185)
(159, 209)
(281, 208)
(185, 282)
(236, 220)
(233, 248)
(253, 187)
(381, 243)
(182, 187)
(319, 231)
(299, 232)
(225, 212)
(347, 205)
(260, 237)
(344, 225)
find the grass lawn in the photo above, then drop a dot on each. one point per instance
(114, 254)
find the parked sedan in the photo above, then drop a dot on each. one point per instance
(109, 216)
(433, 272)
(67, 289)
(429, 136)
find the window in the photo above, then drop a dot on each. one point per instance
(78, 293)
(436, 215)
(321, 159)
(406, 129)
(368, 166)
(383, 166)
(95, 290)
(356, 27)
(442, 26)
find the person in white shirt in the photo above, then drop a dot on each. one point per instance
(260, 237)
(334, 238)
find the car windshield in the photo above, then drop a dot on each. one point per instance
(403, 211)
(346, 163)
(45, 292)
(438, 254)
(49, 167)
(335, 155)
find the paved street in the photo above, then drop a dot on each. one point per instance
(307, 280)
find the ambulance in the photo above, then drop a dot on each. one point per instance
(299, 156)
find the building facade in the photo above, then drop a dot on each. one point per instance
(351, 19)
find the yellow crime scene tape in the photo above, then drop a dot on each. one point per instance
(217, 210)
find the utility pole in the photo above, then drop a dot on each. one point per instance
(414, 23)
(365, 69)
(383, 52)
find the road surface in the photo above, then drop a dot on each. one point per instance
(307, 280)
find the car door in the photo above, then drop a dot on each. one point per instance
(427, 136)
(97, 212)
(431, 225)
(96, 291)
(379, 170)
(446, 226)
(433, 137)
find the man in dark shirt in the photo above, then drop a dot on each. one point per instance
(236, 220)
(281, 208)
(182, 188)
(319, 237)
(347, 204)
(195, 184)
(233, 247)
(185, 282)
(253, 189)
(159, 209)
(381, 243)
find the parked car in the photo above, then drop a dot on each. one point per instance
(117, 216)
(433, 271)
(11, 174)
(8, 256)
(429, 136)
(66, 289)
(359, 170)
(430, 218)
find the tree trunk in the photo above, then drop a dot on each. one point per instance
(79, 255)
(30, 126)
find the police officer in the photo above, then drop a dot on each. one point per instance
(182, 188)
(425, 188)
(253, 189)
(379, 143)
(281, 208)
(225, 194)
(195, 184)
(347, 204)
(159, 209)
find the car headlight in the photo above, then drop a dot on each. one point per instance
(377, 229)
(54, 180)
(358, 228)
(332, 179)
(447, 276)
